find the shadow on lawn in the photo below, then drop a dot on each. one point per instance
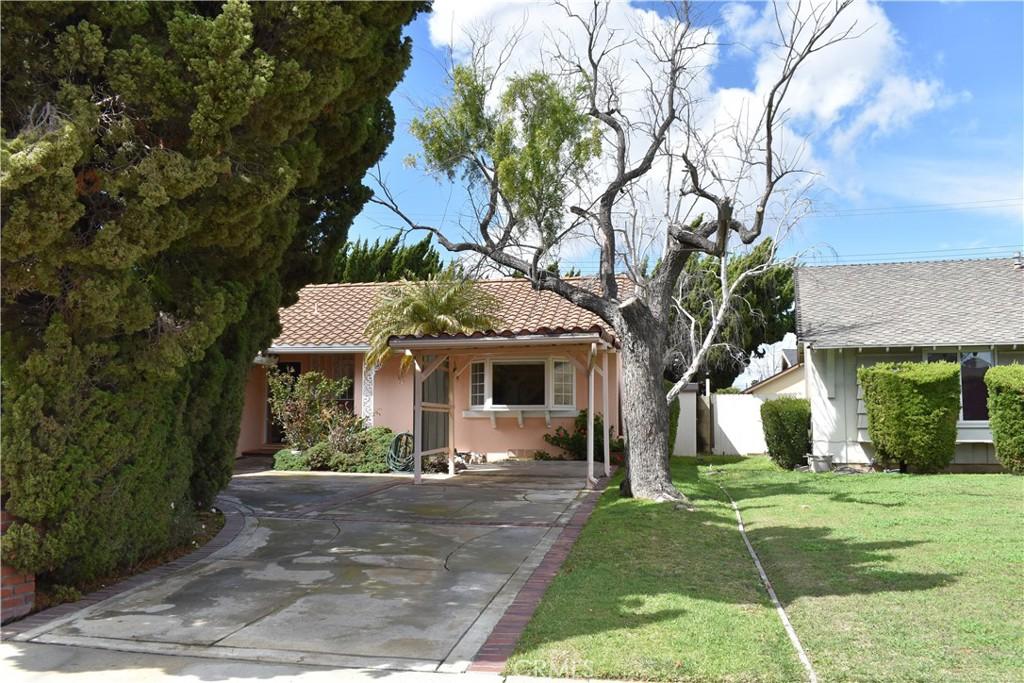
(633, 557)
(811, 485)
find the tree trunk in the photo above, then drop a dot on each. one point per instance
(644, 408)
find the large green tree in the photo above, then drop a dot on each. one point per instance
(172, 173)
(387, 260)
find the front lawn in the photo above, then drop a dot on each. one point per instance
(885, 577)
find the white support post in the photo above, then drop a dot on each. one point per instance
(417, 424)
(605, 419)
(590, 418)
(451, 414)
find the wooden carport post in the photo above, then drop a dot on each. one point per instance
(417, 421)
(605, 418)
(451, 414)
(591, 362)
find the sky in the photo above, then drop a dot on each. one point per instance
(915, 129)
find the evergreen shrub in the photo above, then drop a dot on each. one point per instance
(1006, 414)
(787, 423)
(912, 411)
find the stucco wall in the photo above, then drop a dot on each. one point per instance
(686, 431)
(393, 401)
(737, 424)
(253, 431)
(505, 436)
(392, 397)
(251, 435)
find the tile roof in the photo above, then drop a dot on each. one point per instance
(921, 303)
(327, 315)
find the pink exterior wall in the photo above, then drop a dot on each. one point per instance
(392, 396)
(505, 436)
(253, 432)
(393, 401)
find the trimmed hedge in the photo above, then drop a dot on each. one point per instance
(1006, 414)
(912, 412)
(787, 424)
(371, 455)
(289, 460)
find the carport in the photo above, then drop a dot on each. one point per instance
(440, 361)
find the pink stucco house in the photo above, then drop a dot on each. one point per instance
(495, 392)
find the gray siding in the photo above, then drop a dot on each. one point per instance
(839, 421)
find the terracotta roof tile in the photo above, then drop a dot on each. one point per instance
(337, 314)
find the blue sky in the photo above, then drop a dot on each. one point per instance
(936, 176)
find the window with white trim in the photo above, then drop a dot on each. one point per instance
(563, 384)
(517, 383)
(476, 384)
(522, 383)
(973, 392)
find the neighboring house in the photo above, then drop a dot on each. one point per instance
(508, 387)
(970, 312)
(787, 382)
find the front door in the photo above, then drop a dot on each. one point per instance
(275, 435)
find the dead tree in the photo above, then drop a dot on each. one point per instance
(699, 186)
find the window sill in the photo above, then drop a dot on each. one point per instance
(519, 413)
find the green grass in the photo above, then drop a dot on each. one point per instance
(885, 577)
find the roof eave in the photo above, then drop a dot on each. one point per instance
(498, 340)
(768, 380)
(822, 346)
(278, 349)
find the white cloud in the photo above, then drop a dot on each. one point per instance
(842, 96)
(851, 91)
(898, 101)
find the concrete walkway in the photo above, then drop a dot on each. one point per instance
(335, 570)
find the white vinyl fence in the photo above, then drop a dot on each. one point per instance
(686, 435)
(735, 426)
(737, 422)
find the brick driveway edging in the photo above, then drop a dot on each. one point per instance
(234, 522)
(500, 645)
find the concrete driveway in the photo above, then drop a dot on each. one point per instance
(347, 570)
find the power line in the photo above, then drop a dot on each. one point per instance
(968, 252)
(951, 205)
(904, 211)
(933, 251)
(866, 210)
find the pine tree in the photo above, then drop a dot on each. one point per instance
(172, 174)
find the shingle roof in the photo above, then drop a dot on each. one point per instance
(922, 303)
(327, 315)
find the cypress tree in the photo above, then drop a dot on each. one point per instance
(172, 174)
(387, 261)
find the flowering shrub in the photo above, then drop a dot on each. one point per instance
(309, 407)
